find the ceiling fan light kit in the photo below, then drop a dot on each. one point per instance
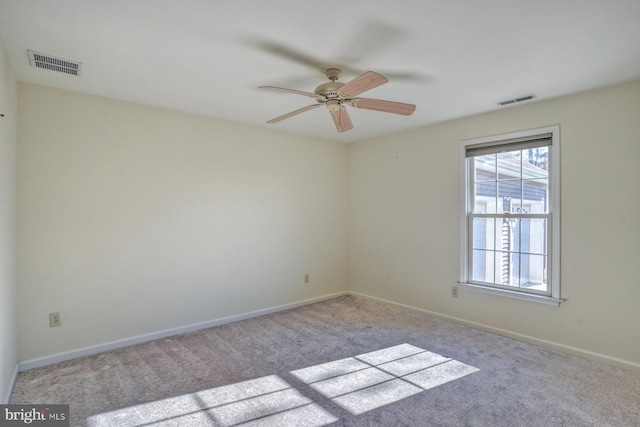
(336, 95)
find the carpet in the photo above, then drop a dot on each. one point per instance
(347, 361)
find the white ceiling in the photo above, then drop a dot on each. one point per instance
(451, 58)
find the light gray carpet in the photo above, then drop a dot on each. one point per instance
(342, 362)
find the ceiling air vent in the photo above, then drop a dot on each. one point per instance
(48, 62)
(516, 100)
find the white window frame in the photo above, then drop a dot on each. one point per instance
(553, 253)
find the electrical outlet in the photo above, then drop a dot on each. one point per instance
(306, 278)
(54, 319)
(454, 291)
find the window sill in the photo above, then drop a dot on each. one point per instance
(512, 294)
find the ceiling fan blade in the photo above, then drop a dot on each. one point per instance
(364, 82)
(369, 38)
(290, 54)
(297, 92)
(384, 106)
(341, 119)
(293, 113)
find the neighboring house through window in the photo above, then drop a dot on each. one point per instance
(511, 215)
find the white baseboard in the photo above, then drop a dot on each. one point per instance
(113, 345)
(4, 399)
(625, 364)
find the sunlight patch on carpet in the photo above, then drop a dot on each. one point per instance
(358, 384)
(266, 401)
(372, 380)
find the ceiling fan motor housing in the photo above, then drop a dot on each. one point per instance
(333, 104)
(329, 90)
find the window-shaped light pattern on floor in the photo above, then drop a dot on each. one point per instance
(266, 401)
(358, 384)
(372, 380)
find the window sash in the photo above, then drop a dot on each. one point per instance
(548, 253)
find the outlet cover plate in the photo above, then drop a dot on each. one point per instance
(55, 319)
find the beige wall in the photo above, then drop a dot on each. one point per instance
(405, 222)
(8, 138)
(134, 220)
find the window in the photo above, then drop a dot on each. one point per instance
(511, 215)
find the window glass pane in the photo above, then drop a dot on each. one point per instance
(535, 161)
(533, 236)
(533, 272)
(484, 233)
(483, 266)
(536, 195)
(485, 167)
(514, 270)
(517, 206)
(503, 268)
(514, 233)
(503, 234)
(485, 197)
(508, 165)
(484, 187)
(481, 206)
(509, 193)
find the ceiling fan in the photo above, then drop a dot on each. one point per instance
(336, 95)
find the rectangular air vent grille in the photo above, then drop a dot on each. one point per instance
(516, 100)
(48, 62)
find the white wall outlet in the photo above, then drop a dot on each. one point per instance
(55, 319)
(306, 278)
(454, 291)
